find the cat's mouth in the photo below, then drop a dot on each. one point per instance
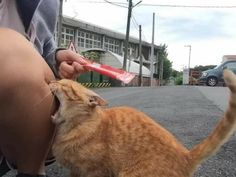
(57, 102)
(54, 115)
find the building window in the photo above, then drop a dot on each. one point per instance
(67, 36)
(81, 39)
(131, 50)
(89, 40)
(112, 45)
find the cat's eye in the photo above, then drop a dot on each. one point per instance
(92, 99)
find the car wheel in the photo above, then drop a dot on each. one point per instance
(212, 81)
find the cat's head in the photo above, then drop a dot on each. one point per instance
(74, 100)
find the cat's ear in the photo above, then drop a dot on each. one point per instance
(96, 100)
(92, 98)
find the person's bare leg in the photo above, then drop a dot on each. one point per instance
(26, 103)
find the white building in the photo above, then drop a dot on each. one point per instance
(86, 36)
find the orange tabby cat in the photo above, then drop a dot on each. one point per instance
(123, 142)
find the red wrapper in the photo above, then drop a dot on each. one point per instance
(106, 70)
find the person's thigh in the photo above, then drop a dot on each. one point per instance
(26, 104)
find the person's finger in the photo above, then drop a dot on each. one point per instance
(79, 68)
(75, 57)
(65, 75)
(68, 55)
(65, 67)
(66, 70)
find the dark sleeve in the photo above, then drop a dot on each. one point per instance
(50, 57)
(48, 10)
(52, 61)
(41, 15)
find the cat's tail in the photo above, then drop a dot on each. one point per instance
(223, 130)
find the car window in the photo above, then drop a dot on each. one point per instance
(230, 65)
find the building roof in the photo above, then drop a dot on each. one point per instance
(101, 30)
(133, 67)
(228, 57)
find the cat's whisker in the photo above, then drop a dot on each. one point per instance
(49, 93)
(43, 99)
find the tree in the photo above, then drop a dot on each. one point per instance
(174, 73)
(167, 64)
(178, 77)
(204, 68)
(92, 55)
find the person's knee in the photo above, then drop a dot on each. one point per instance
(15, 78)
(12, 42)
(20, 62)
(12, 47)
(24, 72)
(17, 51)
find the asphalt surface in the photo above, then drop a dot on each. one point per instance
(189, 113)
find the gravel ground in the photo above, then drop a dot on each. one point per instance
(190, 113)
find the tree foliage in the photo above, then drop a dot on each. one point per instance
(92, 55)
(174, 73)
(178, 77)
(204, 68)
(167, 64)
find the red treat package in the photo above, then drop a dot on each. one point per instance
(109, 71)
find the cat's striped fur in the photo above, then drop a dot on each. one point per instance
(123, 142)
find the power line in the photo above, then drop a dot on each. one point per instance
(122, 4)
(106, 1)
(135, 23)
(188, 6)
(115, 4)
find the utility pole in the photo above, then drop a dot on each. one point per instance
(127, 34)
(189, 58)
(161, 71)
(59, 25)
(152, 51)
(140, 57)
(130, 7)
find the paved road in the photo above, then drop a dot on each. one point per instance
(190, 113)
(218, 95)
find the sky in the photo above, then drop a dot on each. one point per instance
(211, 32)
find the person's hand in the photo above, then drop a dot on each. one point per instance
(69, 64)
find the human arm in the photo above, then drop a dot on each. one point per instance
(65, 64)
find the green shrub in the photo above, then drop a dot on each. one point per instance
(179, 80)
